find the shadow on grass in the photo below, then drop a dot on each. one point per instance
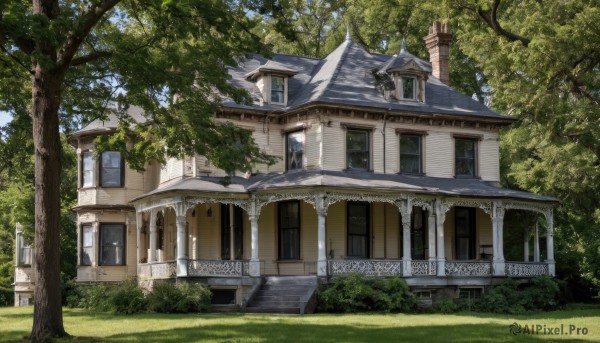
(535, 315)
(292, 332)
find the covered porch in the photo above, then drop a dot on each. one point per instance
(328, 232)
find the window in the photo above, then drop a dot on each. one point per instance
(238, 232)
(289, 230)
(358, 229)
(408, 88)
(418, 234)
(464, 229)
(87, 169)
(470, 293)
(295, 150)
(111, 174)
(87, 243)
(465, 157)
(410, 154)
(112, 244)
(24, 256)
(160, 230)
(277, 90)
(357, 149)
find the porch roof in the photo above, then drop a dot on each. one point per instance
(393, 182)
(349, 180)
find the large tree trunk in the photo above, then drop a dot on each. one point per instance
(47, 315)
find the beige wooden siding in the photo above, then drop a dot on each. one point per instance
(309, 231)
(392, 238)
(313, 146)
(267, 246)
(439, 154)
(377, 231)
(489, 158)
(484, 229)
(449, 234)
(392, 151)
(334, 147)
(336, 229)
(171, 170)
(376, 150)
(208, 232)
(274, 146)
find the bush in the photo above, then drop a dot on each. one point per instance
(7, 296)
(540, 294)
(181, 298)
(356, 293)
(446, 306)
(127, 298)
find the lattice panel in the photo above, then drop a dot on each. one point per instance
(423, 267)
(214, 268)
(365, 267)
(468, 268)
(525, 269)
(163, 270)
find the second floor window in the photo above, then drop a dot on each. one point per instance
(410, 154)
(277, 90)
(465, 156)
(294, 150)
(357, 149)
(87, 169)
(111, 173)
(24, 252)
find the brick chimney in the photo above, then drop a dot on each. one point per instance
(438, 44)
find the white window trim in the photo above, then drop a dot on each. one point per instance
(401, 88)
(268, 89)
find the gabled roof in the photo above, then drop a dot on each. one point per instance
(100, 126)
(273, 67)
(405, 61)
(345, 77)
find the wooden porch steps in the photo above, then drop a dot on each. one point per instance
(283, 294)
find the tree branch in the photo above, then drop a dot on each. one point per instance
(491, 18)
(88, 20)
(16, 59)
(90, 57)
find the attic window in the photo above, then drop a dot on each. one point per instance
(277, 90)
(407, 87)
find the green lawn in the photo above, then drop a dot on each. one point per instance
(465, 327)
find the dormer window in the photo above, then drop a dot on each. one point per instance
(272, 79)
(277, 90)
(408, 87)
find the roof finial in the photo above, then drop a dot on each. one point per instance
(348, 37)
(403, 46)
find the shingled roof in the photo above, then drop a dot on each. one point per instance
(345, 77)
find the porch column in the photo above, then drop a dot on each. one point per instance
(550, 245)
(498, 239)
(321, 236)
(254, 268)
(138, 223)
(182, 260)
(406, 250)
(536, 243)
(431, 234)
(526, 245)
(152, 256)
(440, 217)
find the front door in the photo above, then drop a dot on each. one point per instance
(232, 232)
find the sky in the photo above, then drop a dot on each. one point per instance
(4, 118)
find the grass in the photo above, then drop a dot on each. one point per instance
(464, 327)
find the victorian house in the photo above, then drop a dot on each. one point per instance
(385, 170)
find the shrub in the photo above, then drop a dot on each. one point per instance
(127, 298)
(540, 294)
(446, 305)
(356, 293)
(181, 298)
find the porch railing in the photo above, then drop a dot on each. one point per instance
(468, 268)
(526, 269)
(217, 268)
(365, 267)
(419, 268)
(157, 270)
